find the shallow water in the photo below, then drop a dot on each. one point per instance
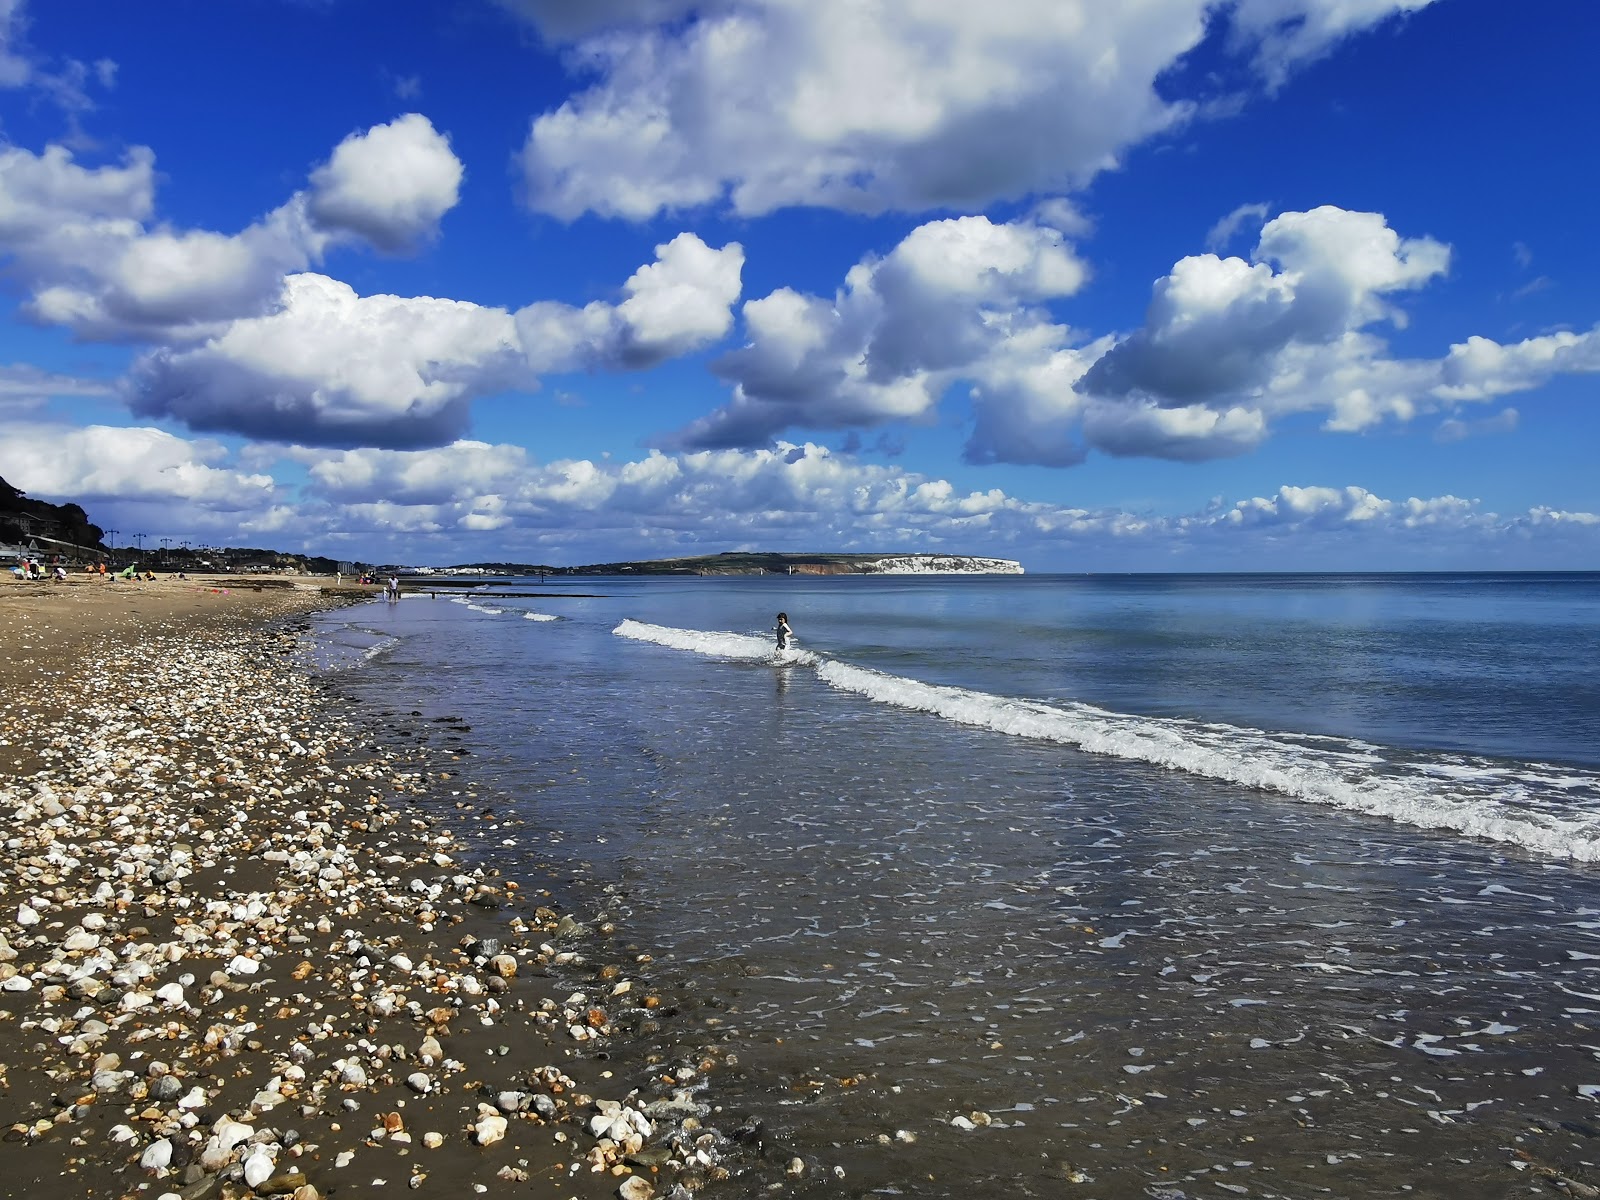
(1265, 886)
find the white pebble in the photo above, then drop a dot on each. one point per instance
(157, 1156)
(489, 1129)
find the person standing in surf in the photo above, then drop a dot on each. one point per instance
(783, 631)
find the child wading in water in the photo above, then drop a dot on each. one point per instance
(783, 631)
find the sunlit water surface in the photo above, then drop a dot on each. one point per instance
(1268, 886)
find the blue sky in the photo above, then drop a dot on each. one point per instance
(1183, 285)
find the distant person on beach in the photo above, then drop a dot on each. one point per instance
(394, 589)
(783, 631)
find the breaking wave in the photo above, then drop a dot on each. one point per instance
(1550, 810)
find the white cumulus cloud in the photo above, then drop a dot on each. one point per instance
(337, 368)
(330, 367)
(796, 497)
(130, 465)
(901, 104)
(886, 344)
(83, 244)
(1230, 348)
(389, 185)
(679, 303)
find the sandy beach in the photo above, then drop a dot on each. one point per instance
(243, 949)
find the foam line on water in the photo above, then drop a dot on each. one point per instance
(1486, 805)
(1548, 811)
(740, 647)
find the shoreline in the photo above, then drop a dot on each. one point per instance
(240, 954)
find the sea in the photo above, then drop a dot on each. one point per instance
(1064, 885)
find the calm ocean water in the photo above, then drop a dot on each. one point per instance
(1100, 886)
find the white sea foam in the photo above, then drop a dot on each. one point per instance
(740, 647)
(1482, 806)
(1476, 798)
(538, 616)
(378, 647)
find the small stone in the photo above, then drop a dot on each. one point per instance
(157, 1155)
(166, 1089)
(635, 1188)
(278, 1185)
(258, 1167)
(489, 1129)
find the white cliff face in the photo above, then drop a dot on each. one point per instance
(943, 564)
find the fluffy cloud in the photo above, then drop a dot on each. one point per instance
(800, 496)
(329, 367)
(77, 240)
(1230, 348)
(898, 105)
(474, 500)
(337, 368)
(80, 242)
(1478, 368)
(464, 470)
(887, 343)
(677, 304)
(101, 462)
(389, 185)
(1216, 326)
(720, 494)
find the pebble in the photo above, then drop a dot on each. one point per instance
(258, 1166)
(157, 1155)
(221, 768)
(489, 1128)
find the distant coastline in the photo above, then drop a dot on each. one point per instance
(760, 563)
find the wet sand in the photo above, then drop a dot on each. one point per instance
(243, 949)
